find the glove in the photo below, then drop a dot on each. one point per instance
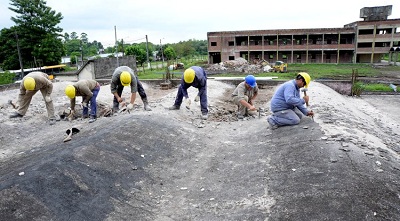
(188, 102)
(197, 98)
(129, 107)
(47, 99)
(84, 104)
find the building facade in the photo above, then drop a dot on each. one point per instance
(358, 42)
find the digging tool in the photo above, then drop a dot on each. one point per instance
(12, 104)
(305, 94)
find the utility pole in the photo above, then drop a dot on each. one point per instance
(147, 51)
(82, 53)
(162, 55)
(116, 44)
(19, 56)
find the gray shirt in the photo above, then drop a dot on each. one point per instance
(241, 91)
(116, 82)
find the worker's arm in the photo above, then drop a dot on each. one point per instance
(119, 99)
(133, 98)
(253, 98)
(248, 105)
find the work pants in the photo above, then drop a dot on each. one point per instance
(287, 117)
(141, 92)
(93, 104)
(203, 99)
(241, 108)
(25, 99)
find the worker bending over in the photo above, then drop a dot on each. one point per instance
(124, 76)
(197, 77)
(88, 90)
(32, 83)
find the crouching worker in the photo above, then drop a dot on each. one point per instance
(88, 90)
(32, 83)
(243, 96)
(286, 105)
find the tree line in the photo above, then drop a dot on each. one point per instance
(36, 40)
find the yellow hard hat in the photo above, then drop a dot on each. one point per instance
(306, 77)
(29, 83)
(188, 75)
(70, 91)
(125, 78)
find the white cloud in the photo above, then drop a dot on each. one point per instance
(174, 21)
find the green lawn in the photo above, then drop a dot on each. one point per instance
(316, 71)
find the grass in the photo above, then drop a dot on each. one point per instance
(316, 71)
(377, 87)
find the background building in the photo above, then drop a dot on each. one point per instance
(358, 42)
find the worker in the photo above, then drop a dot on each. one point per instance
(197, 77)
(32, 83)
(124, 76)
(244, 95)
(287, 106)
(88, 89)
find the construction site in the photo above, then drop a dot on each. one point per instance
(171, 165)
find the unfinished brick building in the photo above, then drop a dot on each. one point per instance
(358, 42)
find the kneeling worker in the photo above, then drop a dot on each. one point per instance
(88, 89)
(286, 105)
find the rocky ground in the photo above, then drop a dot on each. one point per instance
(171, 165)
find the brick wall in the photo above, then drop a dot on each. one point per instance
(104, 68)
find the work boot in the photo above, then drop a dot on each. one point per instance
(204, 116)
(16, 115)
(146, 105)
(272, 124)
(92, 119)
(115, 108)
(174, 107)
(52, 121)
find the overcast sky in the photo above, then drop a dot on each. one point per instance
(173, 21)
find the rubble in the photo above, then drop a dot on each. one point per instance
(240, 65)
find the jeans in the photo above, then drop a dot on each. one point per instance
(93, 104)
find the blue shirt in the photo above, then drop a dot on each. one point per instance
(288, 97)
(200, 81)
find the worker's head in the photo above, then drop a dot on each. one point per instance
(125, 78)
(250, 80)
(70, 91)
(304, 78)
(29, 83)
(188, 75)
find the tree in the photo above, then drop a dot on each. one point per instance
(38, 32)
(138, 52)
(169, 53)
(8, 49)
